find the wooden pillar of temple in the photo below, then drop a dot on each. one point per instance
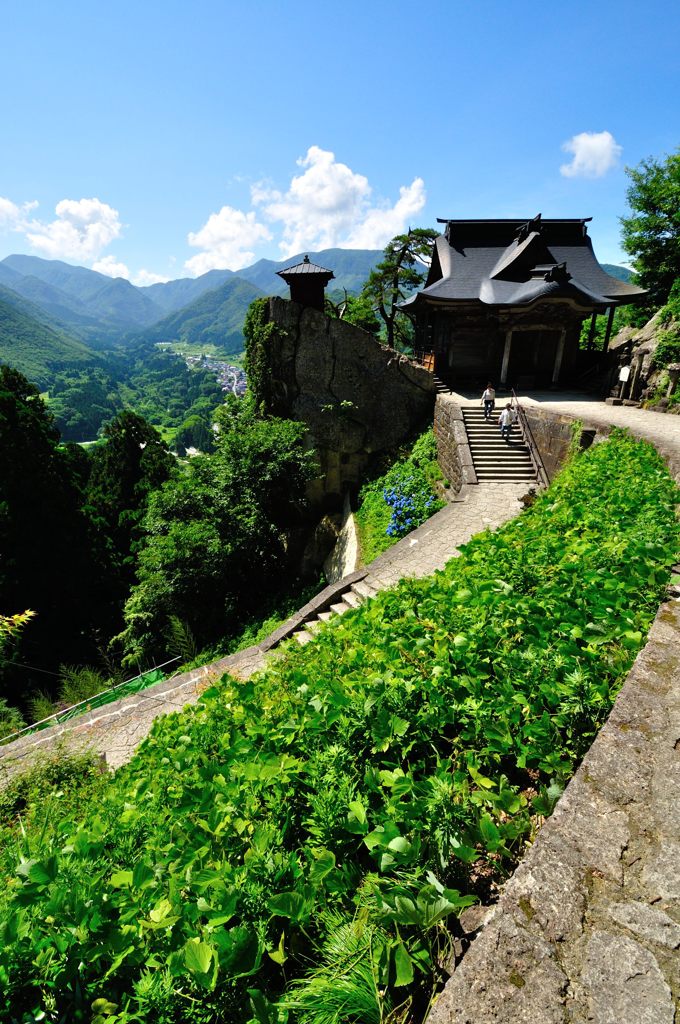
(608, 332)
(506, 357)
(558, 356)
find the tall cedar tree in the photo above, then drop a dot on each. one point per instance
(651, 234)
(131, 464)
(50, 559)
(407, 258)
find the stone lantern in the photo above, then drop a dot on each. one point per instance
(307, 283)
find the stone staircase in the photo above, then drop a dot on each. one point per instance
(355, 595)
(492, 458)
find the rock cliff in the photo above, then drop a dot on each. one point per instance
(359, 399)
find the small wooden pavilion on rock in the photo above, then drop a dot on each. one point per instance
(504, 300)
(307, 283)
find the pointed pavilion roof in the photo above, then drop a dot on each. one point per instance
(306, 267)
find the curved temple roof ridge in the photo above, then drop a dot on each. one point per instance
(497, 262)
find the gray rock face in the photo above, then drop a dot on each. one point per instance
(623, 984)
(358, 398)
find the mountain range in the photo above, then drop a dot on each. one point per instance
(71, 313)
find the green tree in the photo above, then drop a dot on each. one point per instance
(651, 234)
(354, 309)
(131, 463)
(49, 559)
(218, 537)
(400, 273)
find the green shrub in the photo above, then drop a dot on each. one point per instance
(11, 719)
(380, 778)
(60, 775)
(668, 347)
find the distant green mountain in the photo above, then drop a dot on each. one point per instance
(85, 293)
(620, 273)
(214, 318)
(174, 295)
(350, 266)
(32, 346)
(105, 313)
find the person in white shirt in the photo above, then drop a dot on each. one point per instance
(488, 400)
(505, 422)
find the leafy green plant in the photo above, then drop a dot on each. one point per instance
(668, 346)
(41, 706)
(11, 719)
(378, 779)
(78, 682)
(181, 642)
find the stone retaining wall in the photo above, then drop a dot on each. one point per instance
(552, 434)
(453, 450)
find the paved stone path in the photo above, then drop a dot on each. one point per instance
(662, 429)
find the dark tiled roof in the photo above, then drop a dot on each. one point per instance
(497, 263)
(306, 267)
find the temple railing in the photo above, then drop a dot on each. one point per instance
(528, 436)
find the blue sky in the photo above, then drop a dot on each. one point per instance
(158, 140)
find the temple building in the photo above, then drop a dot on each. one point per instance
(504, 300)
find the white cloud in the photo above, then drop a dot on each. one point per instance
(321, 206)
(108, 265)
(227, 239)
(381, 224)
(594, 153)
(330, 204)
(82, 229)
(145, 277)
(13, 217)
(327, 204)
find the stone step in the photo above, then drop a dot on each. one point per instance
(507, 456)
(302, 636)
(510, 466)
(363, 589)
(352, 599)
(498, 473)
(325, 616)
(340, 608)
(496, 444)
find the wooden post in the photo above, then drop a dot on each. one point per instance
(506, 357)
(608, 332)
(558, 356)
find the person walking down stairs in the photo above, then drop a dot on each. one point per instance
(505, 422)
(488, 400)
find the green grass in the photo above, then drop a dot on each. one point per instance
(367, 785)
